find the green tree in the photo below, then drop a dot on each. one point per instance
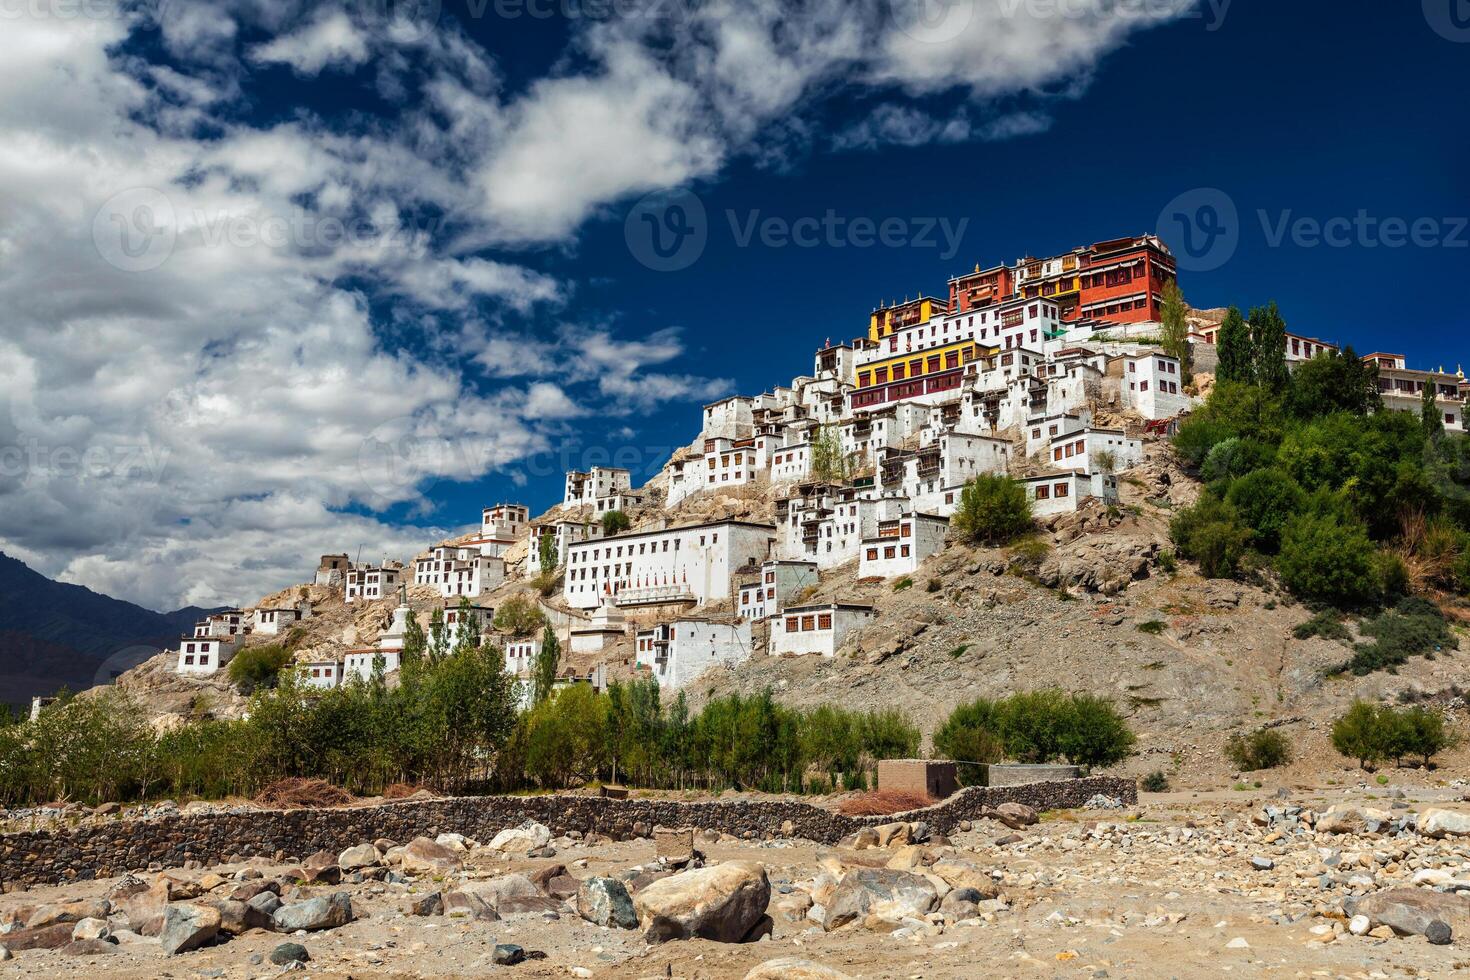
(1237, 358)
(414, 642)
(546, 551)
(519, 615)
(438, 637)
(1093, 733)
(1358, 734)
(1429, 415)
(255, 667)
(1264, 748)
(548, 659)
(467, 630)
(1211, 534)
(993, 510)
(614, 522)
(1174, 332)
(829, 463)
(1268, 346)
(1333, 382)
(1325, 559)
(1265, 500)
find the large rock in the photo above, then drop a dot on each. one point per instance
(314, 913)
(555, 882)
(91, 929)
(794, 968)
(511, 894)
(1349, 818)
(239, 917)
(963, 874)
(871, 896)
(144, 907)
(74, 911)
(321, 869)
(187, 927)
(461, 904)
(1014, 815)
(422, 856)
(725, 903)
(606, 902)
(529, 836)
(1437, 916)
(356, 858)
(1444, 823)
(46, 937)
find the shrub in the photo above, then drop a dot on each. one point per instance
(1422, 732)
(519, 616)
(1371, 733)
(1412, 628)
(1153, 627)
(615, 522)
(1093, 733)
(257, 667)
(1155, 782)
(971, 734)
(1233, 458)
(1167, 563)
(992, 510)
(1263, 748)
(1325, 625)
(1265, 500)
(1211, 534)
(907, 582)
(1327, 560)
(1358, 734)
(1035, 727)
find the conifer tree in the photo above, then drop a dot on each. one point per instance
(1175, 328)
(1429, 415)
(547, 660)
(438, 637)
(1237, 360)
(1268, 344)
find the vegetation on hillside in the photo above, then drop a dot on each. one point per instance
(1372, 733)
(1034, 727)
(993, 510)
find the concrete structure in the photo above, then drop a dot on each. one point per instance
(1065, 491)
(271, 621)
(459, 570)
(605, 626)
(520, 655)
(920, 777)
(564, 533)
(232, 622)
(778, 581)
(899, 545)
(1012, 774)
(817, 629)
(1402, 389)
(331, 571)
(677, 652)
(1151, 383)
(687, 565)
(205, 655)
(323, 674)
(366, 583)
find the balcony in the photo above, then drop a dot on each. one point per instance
(654, 596)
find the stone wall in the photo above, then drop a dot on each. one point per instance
(99, 851)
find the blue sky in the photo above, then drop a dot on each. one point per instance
(197, 415)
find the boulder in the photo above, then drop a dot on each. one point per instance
(892, 834)
(529, 836)
(50, 915)
(422, 856)
(1015, 815)
(726, 903)
(187, 927)
(248, 890)
(458, 843)
(794, 907)
(46, 937)
(962, 874)
(88, 947)
(510, 894)
(794, 968)
(321, 869)
(962, 903)
(606, 902)
(359, 857)
(430, 904)
(554, 881)
(460, 904)
(878, 895)
(1349, 818)
(289, 953)
(1436, 916)
(265, 903)
(314, 913)
(507, 954)
(91, 929)
(1444, 823)
(239, 917)
(144, 908)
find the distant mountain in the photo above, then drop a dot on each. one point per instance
(53, 634)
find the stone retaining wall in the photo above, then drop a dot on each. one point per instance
(99, 851)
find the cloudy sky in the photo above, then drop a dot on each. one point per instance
(283, 278)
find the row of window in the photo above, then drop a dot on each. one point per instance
(890, 552)
(807, 624)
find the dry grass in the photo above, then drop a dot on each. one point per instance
(402, 791)
(299, 792)
(883, 803)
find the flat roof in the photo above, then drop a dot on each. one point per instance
(813, 607)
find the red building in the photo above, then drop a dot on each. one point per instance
(1121, 281)
(981, 288)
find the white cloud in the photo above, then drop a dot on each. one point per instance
(330, 40)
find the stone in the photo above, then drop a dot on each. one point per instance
(361, 856)
(91, 929)
(46, 937)
(1238, 943)
(422, 856)
(460, 904)
(265, 903)
(794, 968)
(674, 846)
(211, 881)
(962, 903)
(239, 917)
(321, 869)
(1439, 823)
(1262, 863)
(1349, 818)
(892, 834)
(880, 894)
(458, 843)
(1359, 925)
(187, 927)
(507, 954)
(88, 947)
(430, 904)
(725, 903)
(1015, 815)
(247, 891)
(529, 836)
(50, 915)
(1416, 912)
(510, 894)
(606, 902)
(794, 907)
(963, 874)
(314, 913)
(289, 953)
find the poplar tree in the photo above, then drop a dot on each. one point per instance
(547, 660)
(1237, 360)
(1429, 415)
(1175, 328)
(1268, 343)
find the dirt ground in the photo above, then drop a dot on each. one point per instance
(1164, 889)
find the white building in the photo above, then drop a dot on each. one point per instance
(1089, 449)
(1151, 385)
(1065, 491)
(270, 621)
(359, 663)
(234, 622)
(331, 571)
(479, 617)
(603, 627)
(459, 570)
(323, 674)
(603, 488)
(779, 581)
(366, 583)
(817, 629)
(677, 652)
(564, 534)
(205, 655)
(686, 565)
(901, 544)
(520, 655)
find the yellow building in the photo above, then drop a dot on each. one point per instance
(910, 313)
(921, 364)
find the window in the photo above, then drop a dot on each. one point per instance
(791, 624)
(824, 621)
(808, 623)
(872, 554)
(1062, 490)
(890, 551)
(1043, 493)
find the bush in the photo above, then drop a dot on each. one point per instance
(615, 522)
(1325, 625)
(257, 667)
(1413, 628)
(1358, 734)
(1265, 500)
(992, 510)
(1234, 458)
(1371, 733)
(971, 734)
(1263, 748)
(519, 616)
(1094, 734)
(1155, 782)
(1034, 727)
(1211, 534)
(1327, 560)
